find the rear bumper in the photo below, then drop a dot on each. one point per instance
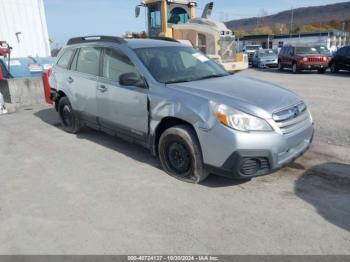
(54, 94)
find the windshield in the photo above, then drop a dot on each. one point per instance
(306, 50)
(177, 64)
(267, 53)
(252, 48)
(323, 50)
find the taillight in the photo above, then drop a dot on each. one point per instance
(49, 72)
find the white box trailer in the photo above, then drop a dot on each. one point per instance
(23, 25)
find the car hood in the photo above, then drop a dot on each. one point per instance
(246, 94)
(311, 55)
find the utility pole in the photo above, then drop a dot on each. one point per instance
(291, 21)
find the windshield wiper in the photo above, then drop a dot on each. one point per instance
(197, 79)
(177, 81)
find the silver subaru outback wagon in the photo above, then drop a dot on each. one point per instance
(181, 105)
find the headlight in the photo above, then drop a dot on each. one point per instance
(305, 59)
(238, 120)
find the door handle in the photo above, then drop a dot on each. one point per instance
(70, 80)
(102, 88)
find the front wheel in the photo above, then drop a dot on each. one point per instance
(180, 154)
(69, 121)
(334, 68)
(295, 68)
(321, 71)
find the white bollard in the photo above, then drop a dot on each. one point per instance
(2, 105)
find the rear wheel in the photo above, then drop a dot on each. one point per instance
(280, 66)
(295, 68)
(180, 154)
(334, 68)
(70, 122)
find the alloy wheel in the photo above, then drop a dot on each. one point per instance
(67, 116)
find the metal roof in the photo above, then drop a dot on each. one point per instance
(299, 35)
(185, 2)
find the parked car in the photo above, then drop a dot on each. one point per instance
(340, 60)
(300, 58)
(181, 105)
(265, 58)
(250, 51)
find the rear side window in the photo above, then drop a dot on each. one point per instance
(340, 51)
(347, 51)
(65, 59)
(283, 51)
(116, 63)
(88, 61)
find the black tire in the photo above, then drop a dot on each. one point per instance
(180, 154)
(334, 68)
(280, 66)
(295, 69)
(69, 121)
(321, 71)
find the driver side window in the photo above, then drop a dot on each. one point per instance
(116, 63)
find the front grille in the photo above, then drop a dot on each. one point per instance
(251, 166)
(315, 59)
(292, 119)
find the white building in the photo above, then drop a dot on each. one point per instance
(332, 39)
(23, 26)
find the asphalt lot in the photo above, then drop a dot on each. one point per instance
(95, 194)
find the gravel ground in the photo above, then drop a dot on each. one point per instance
(95, 194)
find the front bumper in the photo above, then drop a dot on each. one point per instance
(269, 64)
(312, 66)
(251, 154)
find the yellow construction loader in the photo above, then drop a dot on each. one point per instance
(177, 19)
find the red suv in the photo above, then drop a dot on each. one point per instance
(5, 49)
(300, 58)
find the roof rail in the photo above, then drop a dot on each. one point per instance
(95, 38)
(163, 38)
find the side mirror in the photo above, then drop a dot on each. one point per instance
(137, 11)
(132, 79)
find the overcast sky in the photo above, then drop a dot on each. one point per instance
(68, 18)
